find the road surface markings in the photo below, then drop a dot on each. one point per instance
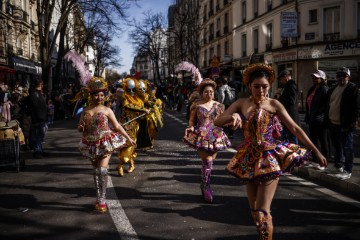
(121, 221)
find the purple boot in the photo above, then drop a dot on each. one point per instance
(205, 183)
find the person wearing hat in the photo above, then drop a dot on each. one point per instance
(203, 135)
(315, 112)
(289, 98)
(98, 141)
(343, 110)
(261, 159)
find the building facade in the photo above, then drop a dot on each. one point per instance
(216, 35)
(19, 42)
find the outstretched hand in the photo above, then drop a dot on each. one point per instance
(132, 142)
(322, 160)
(236, 122)
(188, 131)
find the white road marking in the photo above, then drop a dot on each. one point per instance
(305, 182)
(121, 221)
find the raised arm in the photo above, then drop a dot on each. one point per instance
(230, 117)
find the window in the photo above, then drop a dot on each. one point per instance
(358, 20)
(255, 7)
(243, 11)
(269, 5)
(332, 24)
(205, 58)
(211, 53)
(226, 22)
(218, 27)
(218, 51)
(205, 9)
(211, 32)
(269, 30)
(243, 45)
(256, 40)
(313, 16)
(226, 48)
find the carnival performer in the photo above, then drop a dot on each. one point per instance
(154, 118)
(98, 141)
(203, 135)
(261, 159)
(132, 111)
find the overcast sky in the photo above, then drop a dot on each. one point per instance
(122, 41)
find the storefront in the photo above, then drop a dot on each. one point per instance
(26, 71)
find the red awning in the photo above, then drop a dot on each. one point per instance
(6, 69)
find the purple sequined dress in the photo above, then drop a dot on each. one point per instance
(260, 157)
(98, 140)
(206, 136)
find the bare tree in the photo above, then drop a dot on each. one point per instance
(149, 38)
(50, 28)
(185, 33)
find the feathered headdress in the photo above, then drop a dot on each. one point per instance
(79, 64)
(186, 66)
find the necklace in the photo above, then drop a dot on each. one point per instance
(258, 102)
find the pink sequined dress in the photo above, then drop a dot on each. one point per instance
(260, 157)
(206, 136)
(98, 140)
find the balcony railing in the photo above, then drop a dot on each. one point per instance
(330, 37)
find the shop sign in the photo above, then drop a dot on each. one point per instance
(284, 56)
(330, 50)
(289, 24)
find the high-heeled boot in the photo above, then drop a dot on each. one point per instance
(103, 181)
(131, 166)
(120, 169)
(205, 183)
(263, 222)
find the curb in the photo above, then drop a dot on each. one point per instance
(345, 186)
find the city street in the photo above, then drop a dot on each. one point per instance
(53, 198)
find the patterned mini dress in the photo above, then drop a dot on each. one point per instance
(206, 136)
(261, 157)
(98, 140)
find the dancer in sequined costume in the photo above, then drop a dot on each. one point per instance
(261, 159)
(98, 141)
(203, 135)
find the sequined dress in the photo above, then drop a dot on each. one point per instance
(98, 140)
(260, 157)
(206, 136)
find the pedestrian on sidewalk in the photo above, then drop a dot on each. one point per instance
(98, 141)
(261, 159)
(203, 135)
(315, 112)
(289, 99)
(343, 111)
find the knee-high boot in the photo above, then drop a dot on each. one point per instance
(263, 222)
(103, 180)
(97, 184)
(205, 183)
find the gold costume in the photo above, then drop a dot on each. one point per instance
(132, 107)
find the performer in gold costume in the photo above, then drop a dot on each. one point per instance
(154, 118)
(132, 107)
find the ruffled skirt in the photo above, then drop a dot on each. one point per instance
(263, 163)
(100, 148)
(209, 139)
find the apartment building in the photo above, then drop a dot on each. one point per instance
(299, 35)
(216, 35)
(19, 41)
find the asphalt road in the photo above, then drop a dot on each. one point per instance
(53, 198)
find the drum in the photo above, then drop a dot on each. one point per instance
(11, 130)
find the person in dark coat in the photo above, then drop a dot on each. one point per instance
(38, 113)
(289, 98)
(315, 112)
(343, 111)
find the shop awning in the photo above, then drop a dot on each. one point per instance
(23, 65)
(7, 70)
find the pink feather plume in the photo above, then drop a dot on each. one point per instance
(189, 67)
(79, 64)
